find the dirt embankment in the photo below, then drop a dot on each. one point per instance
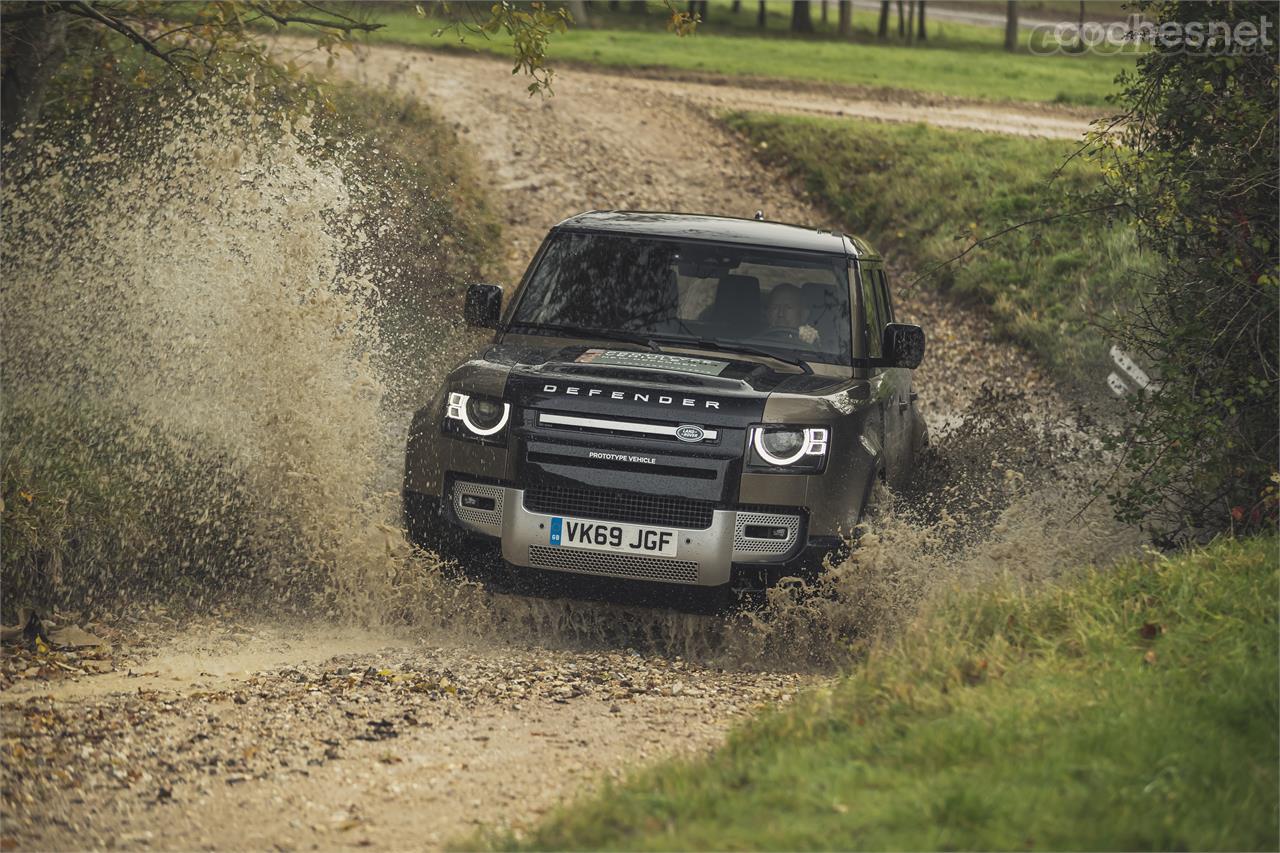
(238, 737)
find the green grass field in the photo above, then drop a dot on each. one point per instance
(922, 194)
(1127, 709)
(962, 61)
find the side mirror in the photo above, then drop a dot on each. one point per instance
(483, 307)
(902, 345)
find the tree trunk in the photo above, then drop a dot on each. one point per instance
(801, 21)
(760, 16)
(824, 11)
(920, 33)
(36, 48)
(736, 7)
(613, 5)
(911, 20)
(578, 9)
(639, 7)
(845, 10)
(902, 21)
(882, 31)
(1011, 26)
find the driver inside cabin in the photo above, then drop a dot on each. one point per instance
(783, 311)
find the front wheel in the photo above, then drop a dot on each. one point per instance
(466, 554)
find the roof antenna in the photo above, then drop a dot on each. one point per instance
(759, 216)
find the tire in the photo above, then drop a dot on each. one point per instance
(471, 555)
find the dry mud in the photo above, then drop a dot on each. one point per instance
(208, 733)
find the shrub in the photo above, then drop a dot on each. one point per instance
(1193, 164)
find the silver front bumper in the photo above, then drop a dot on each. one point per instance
(703, 557)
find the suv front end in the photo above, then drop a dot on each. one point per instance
(646, 454)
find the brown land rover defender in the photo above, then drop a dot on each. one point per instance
(674, 398)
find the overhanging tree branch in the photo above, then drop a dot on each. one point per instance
(340, 22)
(86, 10)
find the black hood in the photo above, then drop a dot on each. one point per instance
(609, 377)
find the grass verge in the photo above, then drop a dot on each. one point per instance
(1132, 709)
(922, 194)
(960, 61)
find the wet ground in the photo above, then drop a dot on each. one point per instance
(214, 734)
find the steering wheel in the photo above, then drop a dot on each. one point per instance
(781, 333)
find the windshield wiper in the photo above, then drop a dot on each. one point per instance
(578, 332)
(653, 341)
(726, 346)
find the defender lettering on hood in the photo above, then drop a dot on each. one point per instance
(633, 396)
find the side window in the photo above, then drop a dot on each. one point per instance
(886, 308)
(875, 318)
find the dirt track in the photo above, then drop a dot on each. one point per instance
(260, 737)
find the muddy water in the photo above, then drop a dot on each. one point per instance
(188, 300)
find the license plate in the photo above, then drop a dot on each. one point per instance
(608, 536)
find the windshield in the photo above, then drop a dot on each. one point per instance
(793, 303)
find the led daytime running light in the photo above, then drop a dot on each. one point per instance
(815, 444)
(457, 410)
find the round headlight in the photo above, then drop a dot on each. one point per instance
(783, 442)
(782, 446)
(485, 412)
(482, 416)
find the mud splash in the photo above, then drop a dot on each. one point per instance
(192, 332)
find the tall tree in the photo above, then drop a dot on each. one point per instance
(761, 17)
(801, 19)
(578, 9)
(1011, 26)
(920, 33)
(736, 7)
(902, 21)
(911, 20)
(34, 48)
(845, 14)
(824, 11)
(882, 31)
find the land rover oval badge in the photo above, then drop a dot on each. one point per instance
(690, 433)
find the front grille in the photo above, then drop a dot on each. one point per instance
(608, 505)
(613, 565)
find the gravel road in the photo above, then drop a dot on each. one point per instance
(205, 733)
(212, 734)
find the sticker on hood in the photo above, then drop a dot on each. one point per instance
(655, 360)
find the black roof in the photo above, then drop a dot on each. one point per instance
(726, 229)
